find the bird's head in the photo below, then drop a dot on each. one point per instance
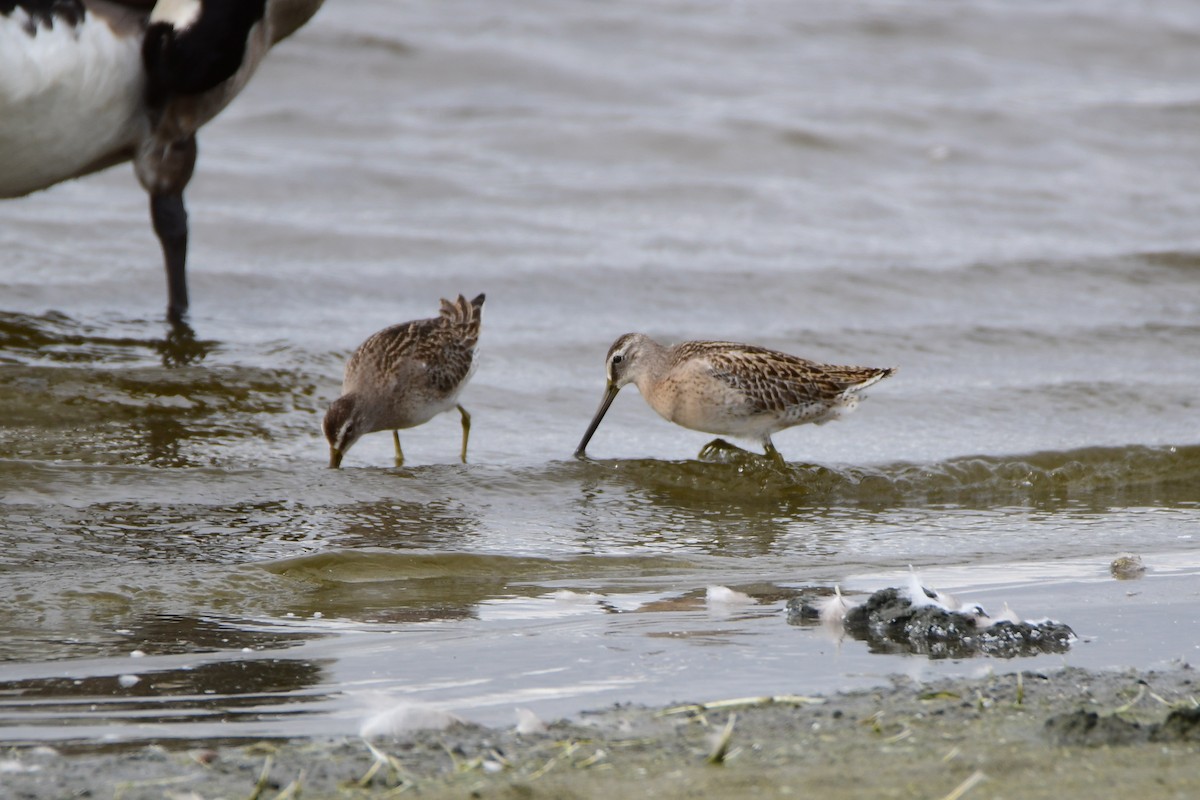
(343, 426)
(625, 359)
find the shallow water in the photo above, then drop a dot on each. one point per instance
(998, 199)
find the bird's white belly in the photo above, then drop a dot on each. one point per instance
(725, 422)
(705, 405)
(418, 411)
(712, 406)
(69, 100)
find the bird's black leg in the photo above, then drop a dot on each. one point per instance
(164, 166)
(170, 223)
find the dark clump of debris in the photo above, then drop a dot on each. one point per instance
(1181, 725)
(1089, 729)
(890, 622)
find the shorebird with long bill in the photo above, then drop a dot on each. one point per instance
(731, 389)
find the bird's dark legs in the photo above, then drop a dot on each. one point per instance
(722, 451)
(772, 453)
(466, 425)
(714, 449)
(164, 167)
(170, 223)
(399, 452)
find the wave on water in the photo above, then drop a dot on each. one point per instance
(163, 418)
(1130, 475)
(115, 393)
(56, 338)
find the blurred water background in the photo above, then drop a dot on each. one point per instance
(999, 198)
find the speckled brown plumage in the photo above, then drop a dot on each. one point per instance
(775, 382)
(445, 344)
(405, 375)
(731, 388)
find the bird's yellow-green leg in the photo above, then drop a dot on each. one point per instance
(399, 452)
(466, 423)
(774, 454)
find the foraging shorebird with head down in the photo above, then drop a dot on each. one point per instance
(404, 376)
(86, 84)
(731, 389)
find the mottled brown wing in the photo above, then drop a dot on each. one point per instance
(444, 345)
(383, 352)
(464, 318)
(449, 351)
(773, 381)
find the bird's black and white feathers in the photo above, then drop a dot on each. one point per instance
(86, 84)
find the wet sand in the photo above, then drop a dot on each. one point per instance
(1069, 733)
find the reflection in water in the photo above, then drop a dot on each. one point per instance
(111, 627)
(744, 506)
(218, 685)
(181, 348)
(77, 392)
(164, 634)
(48, 336)
(217, 692)
(238, 684)
(673, 504)
(1048, 480)
(390, 586)
(404, 524)
(158, 436)
(55, 337)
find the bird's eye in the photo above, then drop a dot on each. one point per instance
(618, 358)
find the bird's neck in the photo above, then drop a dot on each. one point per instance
(286, 16)
(652, 364)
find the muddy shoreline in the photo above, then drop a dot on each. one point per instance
(1071, 732)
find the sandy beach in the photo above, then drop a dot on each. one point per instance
(1072, 733)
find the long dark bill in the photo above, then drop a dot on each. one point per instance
(609, 393)
(335, 458)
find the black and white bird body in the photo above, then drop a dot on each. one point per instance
(86, 84)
